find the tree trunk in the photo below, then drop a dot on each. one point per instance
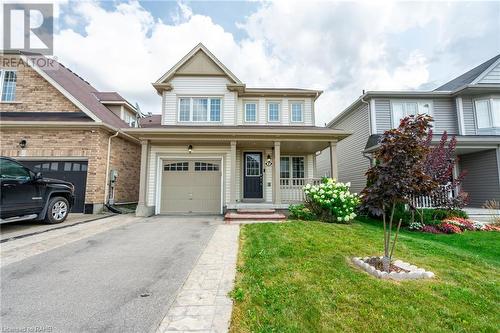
(386, 263)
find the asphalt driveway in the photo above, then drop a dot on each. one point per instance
(120, 280)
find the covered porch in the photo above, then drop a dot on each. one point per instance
(258, 167)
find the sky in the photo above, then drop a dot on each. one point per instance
(341, 48)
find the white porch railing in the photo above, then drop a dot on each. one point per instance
(292, 188)
(444, 193)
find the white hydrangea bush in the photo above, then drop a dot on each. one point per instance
(332, 201)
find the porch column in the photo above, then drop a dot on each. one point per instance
(232, 194)
(142, 208)
(276, 173)
(333, 160)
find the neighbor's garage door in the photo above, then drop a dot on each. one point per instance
(191, 187)
(71, 171)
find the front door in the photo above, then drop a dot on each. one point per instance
(252, 183)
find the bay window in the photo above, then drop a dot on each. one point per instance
(8, 80)
(402, 109)
(487, 113)
(199, 109)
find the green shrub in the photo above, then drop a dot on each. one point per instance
(429, 215)
(331, 201)
(301, 212)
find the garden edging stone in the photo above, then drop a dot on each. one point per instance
(414, 273)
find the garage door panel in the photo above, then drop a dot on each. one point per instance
(191, 187)
(74, 172)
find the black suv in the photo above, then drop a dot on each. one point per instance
(26, 195)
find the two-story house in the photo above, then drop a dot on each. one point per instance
(467, 106)
(56, 123)
(219, 145)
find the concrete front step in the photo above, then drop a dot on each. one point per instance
(255, 211)
(231, 216)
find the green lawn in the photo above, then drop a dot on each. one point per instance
(296, 277)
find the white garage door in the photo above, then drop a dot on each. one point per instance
(191, 187)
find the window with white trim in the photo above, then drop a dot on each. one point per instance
(8, 79)
(178, 166)
(204, 166)
(297, 112)
(273, 112)
(250, 112)
(292, 170)
(402, 109)
(199, 109)
(487, 113)
(130, 119)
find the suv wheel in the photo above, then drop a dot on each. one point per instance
(57, 211)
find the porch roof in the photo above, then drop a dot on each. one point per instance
(304, 139)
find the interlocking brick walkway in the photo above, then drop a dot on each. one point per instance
(203, 304)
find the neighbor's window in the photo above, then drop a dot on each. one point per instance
(273, 112)
(401, 109)
(199, 109)
(488, 113)
(8, 80)
(297, 112)
(251, 112)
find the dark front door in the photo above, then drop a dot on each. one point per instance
(252, 178)
(74, 172)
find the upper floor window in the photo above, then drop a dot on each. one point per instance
(199, 109)
(297, 112)
(8, 80)
(273, 112)
(251, 112)
(402, 109)
(130, 119)
(488, 113)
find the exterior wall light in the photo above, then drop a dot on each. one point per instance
(269, 161)
(23, 143)
(190, 149)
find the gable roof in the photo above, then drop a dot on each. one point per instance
(468, 77)
(191, 59)
(76, 89)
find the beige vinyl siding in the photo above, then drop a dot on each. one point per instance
(492, 77)
(352, 165)
(469, 119)
(383, 115)
(179, 152)
(199, 86)
(481, 182)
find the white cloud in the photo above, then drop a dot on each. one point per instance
(341, 47)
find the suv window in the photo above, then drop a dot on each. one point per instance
(12, 170)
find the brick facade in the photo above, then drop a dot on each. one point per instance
(92, 145)
(33, 92)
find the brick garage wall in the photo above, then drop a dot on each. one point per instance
(91, 144)
(33, 92)
(126, 159)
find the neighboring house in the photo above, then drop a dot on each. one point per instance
(467, 106)
(55, 122)
(219, 145)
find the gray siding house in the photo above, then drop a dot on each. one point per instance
(467, 106)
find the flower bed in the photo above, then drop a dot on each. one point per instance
(454, 225)
(399, 270)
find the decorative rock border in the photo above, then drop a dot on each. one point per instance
(413, 273)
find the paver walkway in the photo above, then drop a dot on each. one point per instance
(203, 304)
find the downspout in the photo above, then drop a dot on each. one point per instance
(368, 156)
(108, 160)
